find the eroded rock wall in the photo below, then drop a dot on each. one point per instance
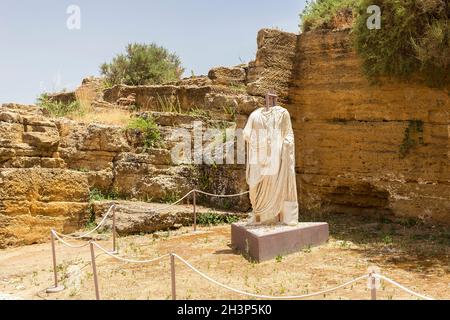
(49, 167)
(367, 148)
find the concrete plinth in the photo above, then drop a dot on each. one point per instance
(262, 243)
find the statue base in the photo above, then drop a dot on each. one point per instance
(262, 243)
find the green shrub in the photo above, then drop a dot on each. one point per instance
(199, 112)
(142, 64)
(414, 38)
(211, 218)
(171, 197)
(97, 195)
(148, 126)
(58, 109)
(318, 14)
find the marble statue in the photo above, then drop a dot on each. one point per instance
(271, 166)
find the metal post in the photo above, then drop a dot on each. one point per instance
(373, 287)
(194, 202)
(56, 288)
(172, 269)
(55, 273)
(114, 229)
(94, 271)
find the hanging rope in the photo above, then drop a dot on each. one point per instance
(222, 195)
(84, 235)
(128, 260)
(68, 244)
(264, 296)
(155, 210)
(379, 276)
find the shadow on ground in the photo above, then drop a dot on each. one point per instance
(409, 244)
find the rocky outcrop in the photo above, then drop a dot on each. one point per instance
(32, 201)
(63, 97)
(27, 138)
(239, 88)
(90, 91)
(48, 167)
(361, 148)
(139, 217)
(364, 148)
(272, 69)
(234, 76)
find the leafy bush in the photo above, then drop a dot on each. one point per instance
(148, 126)
(97, 195)
(56, 108)
(318, 14)
(143, 64)
(171, 197)
(414, 37)
(213, 219)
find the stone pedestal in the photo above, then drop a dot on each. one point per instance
(262, 243)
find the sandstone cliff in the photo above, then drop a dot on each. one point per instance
(49, 167)
(367, 148)
(362, 148)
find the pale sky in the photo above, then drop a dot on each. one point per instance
(39, 53)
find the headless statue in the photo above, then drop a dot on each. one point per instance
(271, 165)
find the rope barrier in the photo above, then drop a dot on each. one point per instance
(60, 237)
(128, 260)
(184, 197)
(264, 296)
(379, 276)
(222, 195)
(159, 209)
(68, 244)
(108, 213)
(208, 278)
(87, 233)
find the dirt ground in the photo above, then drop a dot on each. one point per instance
(413, 254)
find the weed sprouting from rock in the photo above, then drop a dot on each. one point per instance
(148, 127)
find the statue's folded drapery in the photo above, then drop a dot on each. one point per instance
(271, 166)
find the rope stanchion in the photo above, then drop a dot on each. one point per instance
(379, 276)
(56, 288)
(194, 204)
(373, 286)
(172, 276)
(94, 271)
(114, 231)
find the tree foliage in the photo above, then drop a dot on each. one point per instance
(414, 38)
(143, 64)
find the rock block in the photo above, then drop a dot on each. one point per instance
(263, 243)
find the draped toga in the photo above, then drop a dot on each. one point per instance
(271, 166)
